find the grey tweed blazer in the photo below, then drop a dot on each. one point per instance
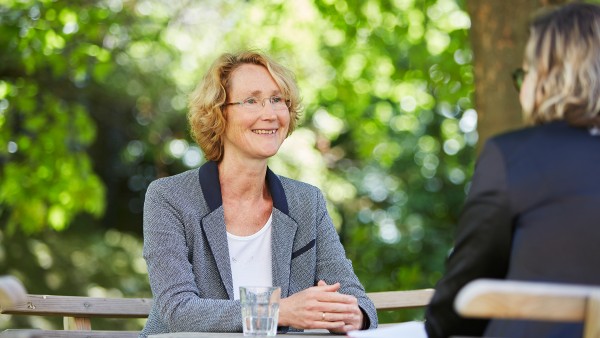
(185, 247)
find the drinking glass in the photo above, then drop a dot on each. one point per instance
(260, 310)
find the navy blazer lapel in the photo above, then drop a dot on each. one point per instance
(210, 185)
(213, 224)
(277, 192)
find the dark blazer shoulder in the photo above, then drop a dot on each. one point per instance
(533, 136)
(512, 142)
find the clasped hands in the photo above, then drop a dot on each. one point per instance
(321, 307)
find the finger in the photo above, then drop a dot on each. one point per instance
(343, 329)
(321, 321)
(322, 286)
(348, 328)
(332, 325)
(334, 297)
(346, 317)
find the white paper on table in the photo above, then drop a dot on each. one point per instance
(402, 330)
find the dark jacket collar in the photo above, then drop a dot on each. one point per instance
(211, 187)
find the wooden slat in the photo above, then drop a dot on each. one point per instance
(77, 323)
(592, 318)
(523, 300)
(396, 300)
(72, 306)
(67, 334)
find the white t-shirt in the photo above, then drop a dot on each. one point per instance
(250, 259)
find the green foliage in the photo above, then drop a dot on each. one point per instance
(68, 68)
(92, 108)
(45, 127)
(402, 88)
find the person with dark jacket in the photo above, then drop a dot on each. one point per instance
(533, 209)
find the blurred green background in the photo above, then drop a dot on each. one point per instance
(93, 100)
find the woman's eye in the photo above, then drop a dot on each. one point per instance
(251, 101)
(276, 99)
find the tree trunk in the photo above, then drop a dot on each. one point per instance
(499, 31)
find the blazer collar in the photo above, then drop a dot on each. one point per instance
(211, 188)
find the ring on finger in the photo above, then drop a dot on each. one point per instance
(323, 316)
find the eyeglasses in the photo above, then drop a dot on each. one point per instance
(254, 104)
(518, 76)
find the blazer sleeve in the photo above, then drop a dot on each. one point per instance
(482, 246)
(176, 295)
(333, 266)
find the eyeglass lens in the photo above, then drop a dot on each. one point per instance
(277, 102)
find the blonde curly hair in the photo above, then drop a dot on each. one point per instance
(563, 57)
(207, 102)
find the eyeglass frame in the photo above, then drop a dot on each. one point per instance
(287, 102)
(518, 76)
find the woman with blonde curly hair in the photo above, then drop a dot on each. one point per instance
(233, 222)
(533, 210)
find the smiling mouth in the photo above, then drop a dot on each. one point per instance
(264, 131)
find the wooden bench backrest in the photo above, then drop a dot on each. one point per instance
(485, 298)
(396, 300)
(78, 311)
(66, 306)
(74, 306)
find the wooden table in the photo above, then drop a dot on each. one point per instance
(305, 334)
(130, 334)
(32, 333)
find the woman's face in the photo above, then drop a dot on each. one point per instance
(253, 134)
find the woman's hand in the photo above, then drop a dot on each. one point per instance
(353, 319)
(321, 307)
